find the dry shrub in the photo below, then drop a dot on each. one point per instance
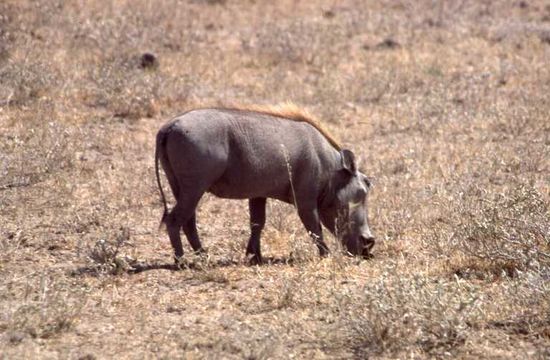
(505, 232)
(393, 314)
(521, 307)
(126, 90)
(105, 256)
(26, 81)
(47, 309)
(35, 150)
(438, 317)
(26, 73)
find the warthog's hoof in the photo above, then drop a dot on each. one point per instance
(201, 251)
(254, 259)
(367, 255)
(323, 251)
(180, 262)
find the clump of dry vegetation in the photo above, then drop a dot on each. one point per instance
(47, 309)
(506, 233)
(446, 106)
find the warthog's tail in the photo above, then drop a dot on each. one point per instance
(158, 148)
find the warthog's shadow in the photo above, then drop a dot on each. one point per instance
(221, 263)
(140, 267)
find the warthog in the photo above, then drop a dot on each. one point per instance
(278, 152)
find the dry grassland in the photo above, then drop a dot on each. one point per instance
(446, 103)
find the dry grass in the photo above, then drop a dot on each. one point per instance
(445, 103)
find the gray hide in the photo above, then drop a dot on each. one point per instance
(240, 154)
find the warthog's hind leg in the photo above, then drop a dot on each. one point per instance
(173, 226)
(183, 216)
(190, 230)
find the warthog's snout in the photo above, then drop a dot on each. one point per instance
(368, 243)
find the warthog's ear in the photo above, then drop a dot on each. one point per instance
(348, 161)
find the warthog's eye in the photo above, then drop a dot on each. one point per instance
(360, 195)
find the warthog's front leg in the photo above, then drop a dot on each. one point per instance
(257, 223)
(310, 219)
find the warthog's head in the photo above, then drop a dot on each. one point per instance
(344, 210)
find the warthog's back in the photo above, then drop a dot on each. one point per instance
(247, 153)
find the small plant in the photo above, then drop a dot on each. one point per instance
(105, 255)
